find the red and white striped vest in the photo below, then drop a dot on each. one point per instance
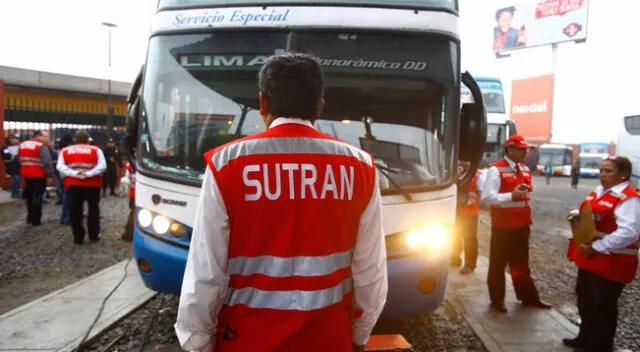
(132, 181)
(512, 215)
(294, 198)
(31, 165)
(621, 265)
(81, 157)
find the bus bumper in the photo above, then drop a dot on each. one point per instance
(166, 262)
(417, 283)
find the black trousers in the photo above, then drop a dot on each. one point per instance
(33, 190)
(77, 197)
(109, 178)
(598, 309)
(510, 246)
(467, 238)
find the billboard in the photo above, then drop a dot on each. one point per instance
(527, 23)
(531, 107)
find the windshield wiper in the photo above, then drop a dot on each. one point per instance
(385, 171)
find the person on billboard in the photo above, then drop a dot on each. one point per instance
(505, 36)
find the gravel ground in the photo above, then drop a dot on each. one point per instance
(444, 330)
(35, 261)
(554, 275)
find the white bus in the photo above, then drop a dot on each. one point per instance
(393, 74)
(559, 155)
(499, 126)
(629, 145)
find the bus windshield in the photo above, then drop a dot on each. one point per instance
(491, 95)
(591, 162)
(391, 95)
(496, 136)
(435, 4)
(556, 156)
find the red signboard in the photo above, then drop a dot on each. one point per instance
(531, 106)
(557, 7)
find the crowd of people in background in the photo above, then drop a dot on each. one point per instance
(33, 164)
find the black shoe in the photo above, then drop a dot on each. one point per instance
(499, 307)
(466, 270)
(78, 242)
(537, 304)
(574, 343)
(94, 240)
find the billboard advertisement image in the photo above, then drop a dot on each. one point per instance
(531, 107)
(528, 23)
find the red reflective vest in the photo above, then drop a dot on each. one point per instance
(81, 157)
(294, 198)
(472, 208)
(31, 165)
(621, 265)
(512, 215)
(132, 181)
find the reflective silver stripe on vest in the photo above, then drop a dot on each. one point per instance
(292, 266)
(621, 196)
(287, 146)
(29, 158)
(627, 250)
(82, 165)
(520, 204)
(30, 163)
(524, 168)
(506, 169)
(289, 300)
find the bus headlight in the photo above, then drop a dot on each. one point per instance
(161, 224)
(177, 230)
(434, 237)
(145, 218)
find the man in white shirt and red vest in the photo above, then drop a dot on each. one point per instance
(288, 252)
(81, 165)
(506, 190)
(35, 167)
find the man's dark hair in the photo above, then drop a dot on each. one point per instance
(37, 134)
(66, 140)
(623, 164)
(510, 9)
(292, 84)
(81, 136)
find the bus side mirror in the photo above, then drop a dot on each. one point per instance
(133, 114)
(473, 131)
(511, 125)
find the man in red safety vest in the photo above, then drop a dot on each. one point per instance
(288, 252)
(506, 188)
(467, 225)
(35, 167)
(81, 165)
(130, 175)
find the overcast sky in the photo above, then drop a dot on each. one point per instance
(596, 82)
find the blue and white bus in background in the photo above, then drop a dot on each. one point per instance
(629, 145)
(559, 155)
(590, 158)
(499, 126)
(392, 88)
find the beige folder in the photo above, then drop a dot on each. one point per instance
(585, 228)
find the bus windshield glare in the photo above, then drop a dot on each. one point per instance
(451, 5)
(384, 93)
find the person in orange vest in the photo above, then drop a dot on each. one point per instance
(131, 178)
(506, 190)
(467, 226)
(288, 252)
(610, 261)
(35, 167)
(81, 165)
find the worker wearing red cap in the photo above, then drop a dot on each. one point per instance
(506, 189)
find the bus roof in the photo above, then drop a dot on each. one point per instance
(555, 146)
(441, 5)
(487, 79)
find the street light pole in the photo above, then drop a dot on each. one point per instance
(109, 106)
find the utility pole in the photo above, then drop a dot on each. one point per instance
(109, 106)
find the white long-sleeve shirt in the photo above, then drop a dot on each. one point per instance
(66, 171)
(491, 186)
(627, 218)
(206, 280)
